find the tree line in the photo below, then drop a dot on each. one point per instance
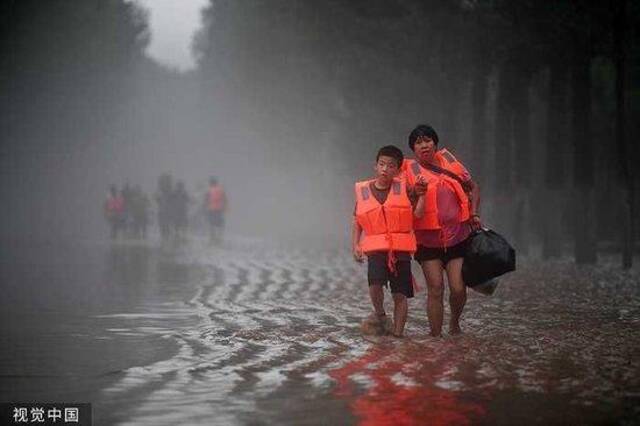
(539, 99)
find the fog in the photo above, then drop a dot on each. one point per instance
(288, 103)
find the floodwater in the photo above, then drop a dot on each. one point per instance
(250, 333)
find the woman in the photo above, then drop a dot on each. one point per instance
(451, 212)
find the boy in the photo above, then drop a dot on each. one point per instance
(383, 231)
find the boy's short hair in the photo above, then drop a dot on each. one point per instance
(422, 130)
(391, 151)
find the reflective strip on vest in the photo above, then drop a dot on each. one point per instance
(415, 167)
(365, 193)
(447, 156)
(396, 188)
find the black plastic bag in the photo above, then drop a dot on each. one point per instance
(487, 288)
(488, 256)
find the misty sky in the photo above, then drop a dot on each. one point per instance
(172, 24)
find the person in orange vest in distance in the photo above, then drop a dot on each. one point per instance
(216, 203)
(383, 231)
(114, 211)
(451, 212)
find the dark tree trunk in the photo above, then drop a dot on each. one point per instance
(522, 172)
(454, 78)
(504, 129)
(583, 207)
(451, 113)
(513, 148)
(554, 166)
(504, 200)
(621, 46)
(479, 121)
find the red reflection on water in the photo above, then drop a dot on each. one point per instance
(409, 399)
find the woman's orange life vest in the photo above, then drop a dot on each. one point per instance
(388, 226)
(216, 198)
(447, 162)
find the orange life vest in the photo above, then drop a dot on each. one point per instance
(216, 198)
(388, 226)
(434, 178)
(115, 205)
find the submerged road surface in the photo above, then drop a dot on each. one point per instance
(250, 333)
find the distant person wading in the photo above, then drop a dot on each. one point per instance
(216, 203)
(114, 211)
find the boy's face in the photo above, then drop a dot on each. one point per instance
(386, 168)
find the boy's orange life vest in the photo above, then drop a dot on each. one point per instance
(434, 178)
(388, 226)
(216, 198)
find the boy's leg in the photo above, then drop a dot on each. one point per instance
(400, 308)
(401, 289)
(377, 275)
(432, 270)
(457, 293)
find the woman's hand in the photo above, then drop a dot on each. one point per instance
(421, 186)
(475, 222)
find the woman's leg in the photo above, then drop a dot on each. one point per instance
(457, 293)
(432, 270)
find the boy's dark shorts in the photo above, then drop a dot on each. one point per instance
(445, 255)
(379, 273)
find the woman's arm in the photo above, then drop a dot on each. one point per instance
(474, 198)
(417, 192)
(418, 211)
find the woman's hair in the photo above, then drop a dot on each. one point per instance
(422, 130)
(391, 151)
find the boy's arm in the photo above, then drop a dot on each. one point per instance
(356, 233)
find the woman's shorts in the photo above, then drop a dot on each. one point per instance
(444, 254)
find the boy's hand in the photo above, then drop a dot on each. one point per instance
(420, 186)
(358, 255)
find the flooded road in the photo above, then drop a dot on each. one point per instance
(250, 333)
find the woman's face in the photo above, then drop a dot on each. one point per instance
(425, 148)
